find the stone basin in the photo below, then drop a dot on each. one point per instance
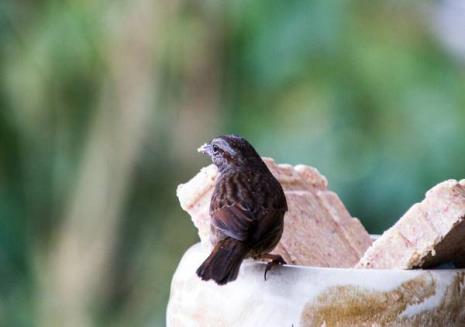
(314, 296)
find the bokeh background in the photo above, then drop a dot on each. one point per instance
(103, 103)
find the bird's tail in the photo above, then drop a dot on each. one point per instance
(224, 262)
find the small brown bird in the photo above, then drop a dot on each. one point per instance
(247, 209)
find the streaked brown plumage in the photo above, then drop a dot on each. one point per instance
(247, 209)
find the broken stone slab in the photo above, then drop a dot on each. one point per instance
(429, 233)
(318, 229)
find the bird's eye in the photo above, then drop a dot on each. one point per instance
(216, 148)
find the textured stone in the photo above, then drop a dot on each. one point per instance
(318, 230)
(429, 233)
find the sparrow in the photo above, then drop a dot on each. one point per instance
(247, 210)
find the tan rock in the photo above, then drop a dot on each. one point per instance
(429, 233)
(318, 230)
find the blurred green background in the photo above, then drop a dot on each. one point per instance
(103, 104)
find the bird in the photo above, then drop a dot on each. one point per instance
(247, 210)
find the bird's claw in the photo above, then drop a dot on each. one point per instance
(276, 260)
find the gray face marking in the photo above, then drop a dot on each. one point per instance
(224, 145)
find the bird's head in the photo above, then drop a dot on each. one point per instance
(229, 151)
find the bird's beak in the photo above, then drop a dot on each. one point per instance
(205, 149)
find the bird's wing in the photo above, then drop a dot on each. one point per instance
(233, 221)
